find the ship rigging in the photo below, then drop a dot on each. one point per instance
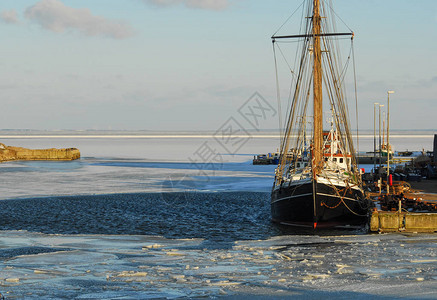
(319, 185)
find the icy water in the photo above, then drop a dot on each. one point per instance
(169, 218)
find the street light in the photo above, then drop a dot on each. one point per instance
(374, 138)
(388, 136)
(380, 144)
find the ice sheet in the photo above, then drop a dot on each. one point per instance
(216, 244)
(152, 267)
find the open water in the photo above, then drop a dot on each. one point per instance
(145, 218)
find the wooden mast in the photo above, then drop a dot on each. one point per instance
(317, 91)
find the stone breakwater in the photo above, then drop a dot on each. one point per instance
(9, 153)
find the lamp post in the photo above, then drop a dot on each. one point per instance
(388, 143)
(374, 138)
(380, 144)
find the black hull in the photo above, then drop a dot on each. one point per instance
(296, 205)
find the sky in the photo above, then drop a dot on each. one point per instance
(191, 64)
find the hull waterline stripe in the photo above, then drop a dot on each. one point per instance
(291, 197)
(336, 196)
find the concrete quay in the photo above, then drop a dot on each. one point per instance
(388, 221)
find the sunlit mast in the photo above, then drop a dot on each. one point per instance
(317, 152)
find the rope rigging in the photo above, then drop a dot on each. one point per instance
(334, 77)
(317, 179)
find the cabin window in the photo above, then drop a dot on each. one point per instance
(326, 159)
(298, 165)
(341, 160)
(306, 164)
(334, 159)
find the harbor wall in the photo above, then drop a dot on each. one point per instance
(8, 153)
(384, 221)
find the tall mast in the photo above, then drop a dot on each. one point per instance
(317, 90)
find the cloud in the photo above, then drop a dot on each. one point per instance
(202, 4)
(53, 15)
(9, 16)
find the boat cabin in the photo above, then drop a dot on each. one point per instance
(334, 155)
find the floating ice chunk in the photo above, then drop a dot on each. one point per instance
(315, 276)
(342, 269)
(179, 278)
(423, 260)
(163, 269)
(225, 283)
(154, 246)
(133, 295)
(174, 253)
(131, 274)
(283, 256)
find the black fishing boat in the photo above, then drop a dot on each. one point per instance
(320, 184)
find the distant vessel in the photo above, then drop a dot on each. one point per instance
(269, 158)
(386, 149)
(320, 184)
(405, 153)
(266, 159)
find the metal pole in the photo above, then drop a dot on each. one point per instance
(380, 145)
(388, 141)
(374, 138)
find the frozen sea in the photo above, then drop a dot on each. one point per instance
(153, 216)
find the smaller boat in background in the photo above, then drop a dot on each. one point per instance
(266, 159)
